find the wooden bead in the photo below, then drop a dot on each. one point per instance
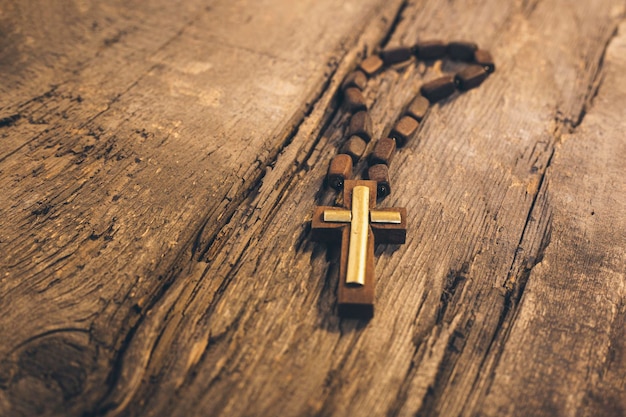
(354, 147)
(418, 108)
(371, 65)
(380, 174)
(383, 151)
(354, 100)
(439, 89)
(395, 55)
(430, 49)
(462, 51)
(403, 130)
(356, 79)
(470, 77)
(339, 170)
(483, 57)
(361, 125)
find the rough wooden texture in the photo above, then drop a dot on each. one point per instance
(159, 163)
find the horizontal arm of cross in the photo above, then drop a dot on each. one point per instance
(325, 231)
(389, 232)
(385, 231)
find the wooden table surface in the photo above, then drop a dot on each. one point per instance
(160, 161)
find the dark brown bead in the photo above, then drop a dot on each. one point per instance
(354, 100)
(403, 130)
(371, 65)
(383, 151)
(354, 147)
(470, 77)
(430, 49)
(395, 55)
(418, 108)
(339, 170)
(356, 79)
(439, 89)
(462, 51)
(483, 57)
(380, 174)
(361, 125)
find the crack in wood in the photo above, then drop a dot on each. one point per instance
(455, 281)
(513, 283)
(394, 24)
(10, 120)
(596, 82)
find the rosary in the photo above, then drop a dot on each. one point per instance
(358, 224)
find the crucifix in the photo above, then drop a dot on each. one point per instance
(359, 225)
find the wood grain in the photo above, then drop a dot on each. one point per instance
(570, 325)
(160, 163)
(126, 148)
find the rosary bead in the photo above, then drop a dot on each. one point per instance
(371, 65)
(383, 151)
(403, 130)
(470, 77)
(339, 170)
(361, 125)
(439, 89)
(356, 79)
(430, 49)
(396, 55)
(462, 51)
(354, 147)
(484, 58)
(418, 108)
(354, 100)
(380, 174)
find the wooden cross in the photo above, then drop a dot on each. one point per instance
(358, 224)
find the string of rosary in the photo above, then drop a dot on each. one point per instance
(358, 224)
(360, 128)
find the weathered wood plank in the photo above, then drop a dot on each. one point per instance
(250, 330)
(570, 328)
(265, 340)
(127, 148)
